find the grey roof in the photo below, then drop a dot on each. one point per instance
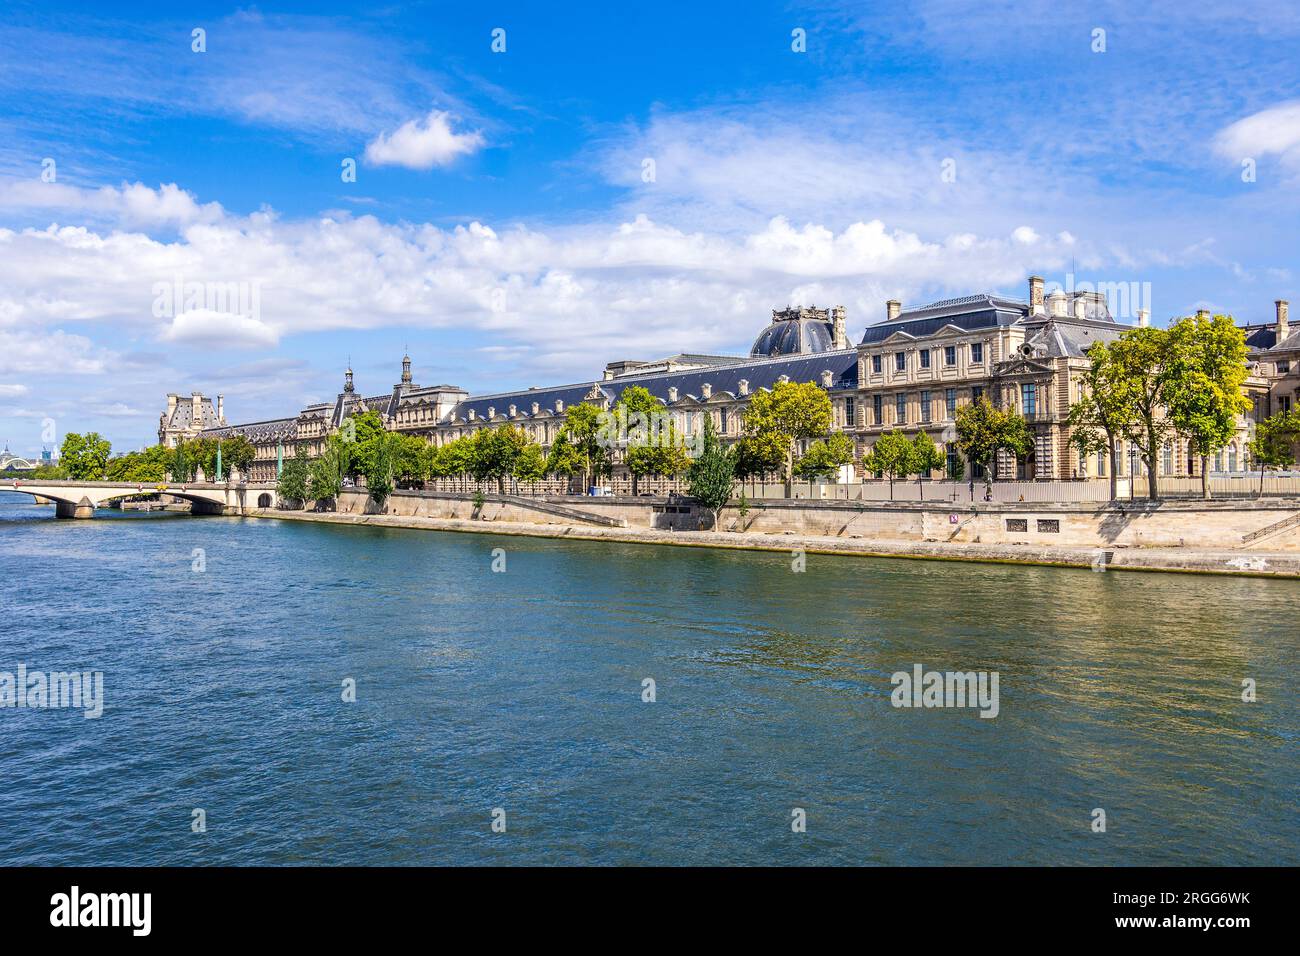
(793, 337)
(182, 415)
(1261, 338)
(969, 312)
(759, 373)
(273, 430)
(1059, 337)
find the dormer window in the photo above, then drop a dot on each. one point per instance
(706, 390)
(744, 386)
(826, 378)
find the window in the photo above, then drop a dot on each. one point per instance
(925, 405)
(722, 417)
(1283, 368)
(1028, 399)
(1232, 458)
(976, 393)
(1049, 525)
(954, 465)
(1083, 465)
(1017, 524)
(900, 408)
(877, 414)
(1101, 464)
(950, 355)
(925, 358)
(900, 361)
(875, 364)
(977, 353)
(950, 401)
(1284, 403)
(850, 412)
(1168, 456)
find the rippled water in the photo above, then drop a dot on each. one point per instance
(522, 690)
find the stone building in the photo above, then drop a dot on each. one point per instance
(187, 418)
(911, 370)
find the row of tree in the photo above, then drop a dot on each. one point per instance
(89, 457)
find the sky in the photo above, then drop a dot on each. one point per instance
(518, 194)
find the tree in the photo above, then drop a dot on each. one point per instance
(1203, 398)
(295, 477)
(585, 431)
(639, 416)
(891, 455)
(712, 474)
(379, 464)
(149, 465)
(1273, 445)
(530, 466)
(1142, 381)
(983, 431)
(1100, 416)
(410, 459)
(85, 457)
(826, 456)
(238, 454)
(662, 451)
(789, 413)
(364, 431)
(327, 471)
(564, 460)
(926, 458)
(495, 453)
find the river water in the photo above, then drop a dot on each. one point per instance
(225, 645)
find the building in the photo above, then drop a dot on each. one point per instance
(911, 370)
(187, 418)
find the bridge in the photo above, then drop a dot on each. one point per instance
(79, 499)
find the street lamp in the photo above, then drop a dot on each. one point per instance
(1132, 470)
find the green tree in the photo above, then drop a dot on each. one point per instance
(380, 456)
(891, 455)
(564, 459)
(238, 454)
(295, 478)
(926, 458)
(586, 431)
(1203, 396)
(149, 465)
(410, 459)
(825, 457)
(180, 463)
(1100, 416)
(1144, 380)
(85, 457)
(530, 466)
(639, 416)
(495, 453)
(661, 451)
(1273, 445)
(712, 474)
(983, 431)
(327, 471)
(789, 413)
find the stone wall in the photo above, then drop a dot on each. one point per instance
(1192, 524)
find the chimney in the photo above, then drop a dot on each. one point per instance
(1283, 326)
(1203, 314)
(536, 408)
(171, 405)
(221, 409)
(892, 308)
(196, 408)
(1144, 318)
(1035, 295)
(837, 328)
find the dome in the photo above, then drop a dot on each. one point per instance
(795, 332)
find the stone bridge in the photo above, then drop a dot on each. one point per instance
(79, 499)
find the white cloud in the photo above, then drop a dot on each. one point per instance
(423, 144)
(220, 329)
(1271, 132)
(12, 391)
(1024, 235)
(131, 204)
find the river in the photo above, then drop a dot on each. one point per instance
(227, 646)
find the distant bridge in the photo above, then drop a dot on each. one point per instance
(79, 499)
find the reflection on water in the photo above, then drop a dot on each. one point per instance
(523, 690)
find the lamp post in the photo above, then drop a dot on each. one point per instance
(1132, 470)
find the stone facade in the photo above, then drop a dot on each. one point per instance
(187, 418)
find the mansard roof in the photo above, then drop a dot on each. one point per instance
(273, 430)
(758, 373)
(968, 312)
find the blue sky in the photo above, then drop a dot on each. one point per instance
(503, 223)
